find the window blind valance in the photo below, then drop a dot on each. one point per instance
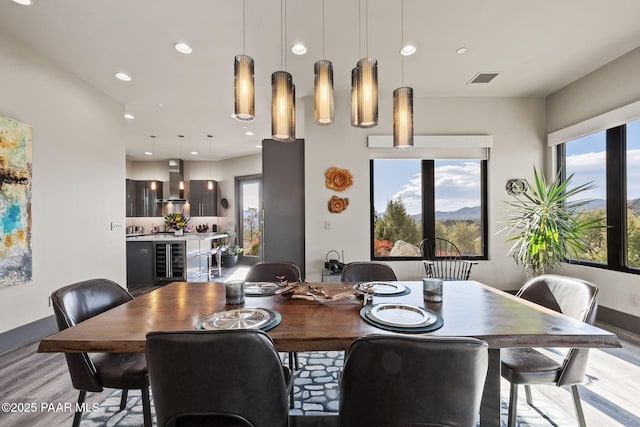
(613, 118)
(432, 147)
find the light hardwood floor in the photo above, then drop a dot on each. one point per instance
(610, 395)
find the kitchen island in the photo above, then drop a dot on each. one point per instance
(161, 258)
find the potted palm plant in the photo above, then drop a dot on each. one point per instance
(229, 255)
(545, 226)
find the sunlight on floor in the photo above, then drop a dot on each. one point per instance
(239, 274)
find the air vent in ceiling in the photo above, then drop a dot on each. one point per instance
(483, 77)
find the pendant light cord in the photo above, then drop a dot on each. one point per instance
(366, 27)
(360, 28)
(402, 41)
(244, 26)
(323, 55)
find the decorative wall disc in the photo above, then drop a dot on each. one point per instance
(516, 186)
(338, 179)
(338, 204)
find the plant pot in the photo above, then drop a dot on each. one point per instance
(229, 260)
(178, 232)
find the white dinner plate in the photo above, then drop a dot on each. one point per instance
(380, 288)
(240, 318)
(401, 315)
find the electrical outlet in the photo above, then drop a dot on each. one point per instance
(49, 300)
(327, 225)
(635, 300)
(116, 226)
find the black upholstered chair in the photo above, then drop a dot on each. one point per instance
(573, 297)
(412, 380)
(443, 260)
(81, 301)
(367, 272)
(269, 271)
(217, 378)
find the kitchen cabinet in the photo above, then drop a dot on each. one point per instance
(203, 200)
(139, 264)
(147, 194)
(169, 262)
(283, 201)
(131, 198)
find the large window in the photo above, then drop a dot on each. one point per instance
(415, 199)
(611, 160)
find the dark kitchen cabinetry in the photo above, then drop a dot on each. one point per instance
(203, 197)
(139, 264)
(169, 261)
(131, 197)
(142, 198)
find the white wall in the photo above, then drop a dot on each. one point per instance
(78, 172)
(610, 87)
(517, 125)
(223, 171)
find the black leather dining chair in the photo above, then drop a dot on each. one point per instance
(270, 271)
(570, 296)
(217, 378)
(367, 271)
(412, 381)
(94, 372)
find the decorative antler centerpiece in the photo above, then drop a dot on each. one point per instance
(308, 291)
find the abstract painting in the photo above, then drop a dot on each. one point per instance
(15, 202)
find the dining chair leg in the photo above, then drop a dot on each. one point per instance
(527, 392)
(295, 360)
(123, 398)
(513, 405)
(78, 415)
(576, 401)
(146, 407)
(291, 400)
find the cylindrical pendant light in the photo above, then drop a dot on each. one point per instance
(323, 92)
(367, 87)
(244, 88)
(323, 87)
(354, 98)
(403, 117)
(283, 124)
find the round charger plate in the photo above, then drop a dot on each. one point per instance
(258, 289)
(426, 326)
(241, 318)
(401, 315)
(382, 289)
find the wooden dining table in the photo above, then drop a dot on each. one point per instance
(468, 309)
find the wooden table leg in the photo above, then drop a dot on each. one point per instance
(490, 406)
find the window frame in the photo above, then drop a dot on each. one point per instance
(616, 190)
(428, 215)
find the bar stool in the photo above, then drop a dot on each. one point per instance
(216, 253)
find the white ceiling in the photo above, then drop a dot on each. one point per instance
(536, 46)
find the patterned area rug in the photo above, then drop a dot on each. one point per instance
(316, 391)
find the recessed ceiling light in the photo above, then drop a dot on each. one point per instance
(148, 153)
(183, 48)
(248, 133)
(195, 153)
(23, 2)
(461, 50)
(408, 50)
(123, 76)
(299, 49)
(129, 116)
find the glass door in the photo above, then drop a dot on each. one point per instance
(249, 220)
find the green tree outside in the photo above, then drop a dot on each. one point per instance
(397, 224)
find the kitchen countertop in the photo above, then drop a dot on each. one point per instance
(169, 236)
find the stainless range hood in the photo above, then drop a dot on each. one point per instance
(176, 175)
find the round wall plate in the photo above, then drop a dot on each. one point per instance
(516, 186)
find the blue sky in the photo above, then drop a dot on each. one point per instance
(457, 184)
(586, 157)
